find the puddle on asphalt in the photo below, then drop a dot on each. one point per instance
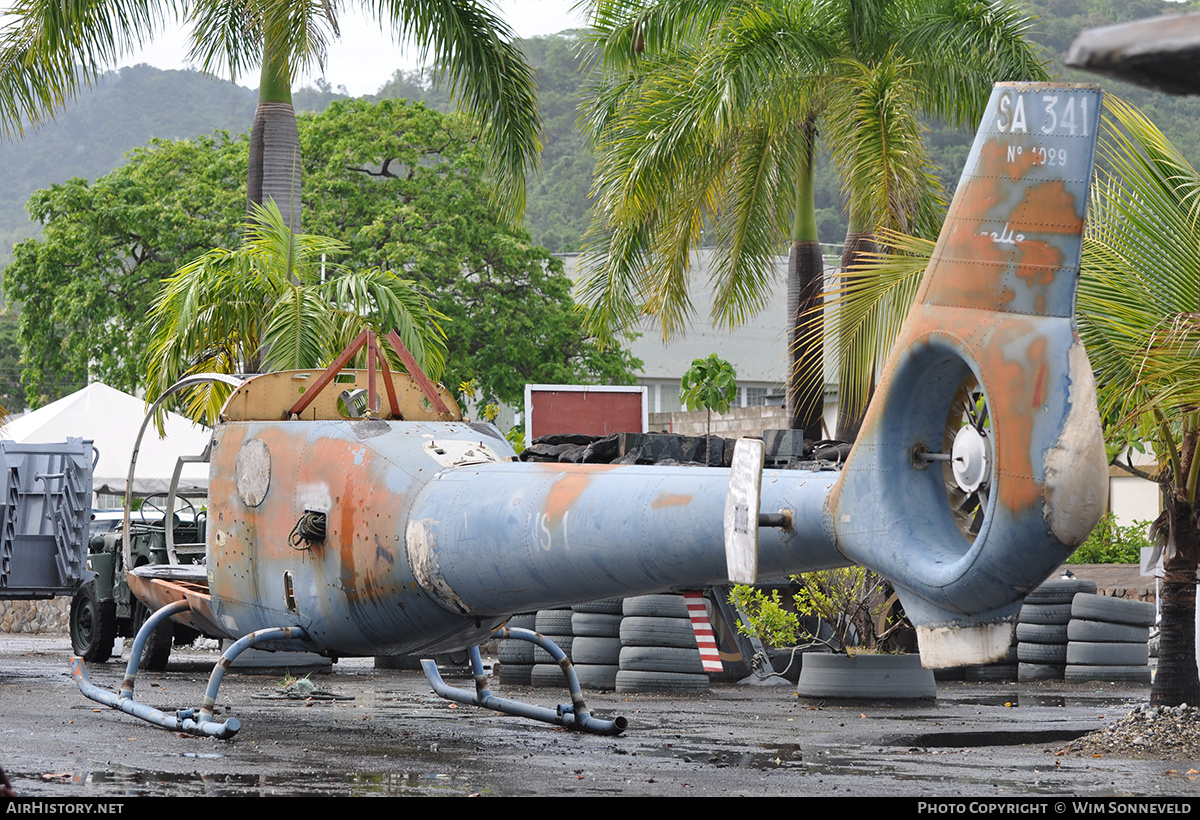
(1013, 701)
(142, 783)
(898, 764)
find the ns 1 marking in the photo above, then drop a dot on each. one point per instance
(1061, 114)
(542, 533)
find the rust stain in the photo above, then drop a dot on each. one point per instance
(1049, 199)
(968, 262)
(564, 493)
(1037, 356)
(670, 500)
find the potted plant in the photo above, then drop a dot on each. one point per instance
(859, 612)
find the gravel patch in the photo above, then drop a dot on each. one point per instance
(1146, 733)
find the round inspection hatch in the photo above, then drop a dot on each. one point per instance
(253, 473)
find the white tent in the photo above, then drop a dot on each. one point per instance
(111, 420)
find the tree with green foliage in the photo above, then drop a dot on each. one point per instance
(1139, 297)
(48, 51)
(279, 301)
(705, 120)
(83, 289)
(402, 185)
(709, 384)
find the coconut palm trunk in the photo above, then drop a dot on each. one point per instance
(1176, 680)
(274, 170)
(806, 268)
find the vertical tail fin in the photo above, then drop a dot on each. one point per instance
(981, 464)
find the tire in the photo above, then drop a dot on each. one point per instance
(597, 675)
(990, 673)
(1047, 653)
(630, 681)
(1112, 610)
(661, 659)
(1107, 654)
(1039, 671)
(93, 625)
(563, 642)
(548, 675)
(866, 677)
(656, 606)
(157, 650)
(602, 651)
(554, 621)
(675, 632)
(515, 674)
(1060, 591)
(596, 625)
(1080, 672)
(1042, 633)
(526, 621)
(1045, 614)
(511, 651)
(185, 635)
(612, 607)
(1102, 631)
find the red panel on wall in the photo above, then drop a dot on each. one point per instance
(555, 409)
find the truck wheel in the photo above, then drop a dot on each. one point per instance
(93, 625)
(157, 650)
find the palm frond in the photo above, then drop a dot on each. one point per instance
(49, 49)
(382, 301)
(961, 48)
(1140, 290)
(477, 53)
(864, 310)
(878, 143)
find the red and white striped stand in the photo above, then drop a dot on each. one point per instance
(705, 638)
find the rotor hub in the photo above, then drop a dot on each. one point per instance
(971, 457)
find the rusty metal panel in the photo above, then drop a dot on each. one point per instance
(268, 397)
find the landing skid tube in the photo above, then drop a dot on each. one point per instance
(185, 720)
(574, 715)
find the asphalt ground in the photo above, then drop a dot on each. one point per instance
(388, 734)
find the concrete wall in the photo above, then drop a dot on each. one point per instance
(740, 421)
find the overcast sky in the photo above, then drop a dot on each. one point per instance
(365, 58)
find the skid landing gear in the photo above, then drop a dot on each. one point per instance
(195, 722)
(574, 715)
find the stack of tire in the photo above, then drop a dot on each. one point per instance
(554, 624)
(1004, 670)
(516, 657)
(1108, 639)
(596, 650)
(1043, 626)
(658, 647)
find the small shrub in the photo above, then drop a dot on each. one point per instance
(1113, 543)
(769, 621)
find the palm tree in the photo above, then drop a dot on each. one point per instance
(49, 49)
(276, 302)
(1139, 299)
(705, 123)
